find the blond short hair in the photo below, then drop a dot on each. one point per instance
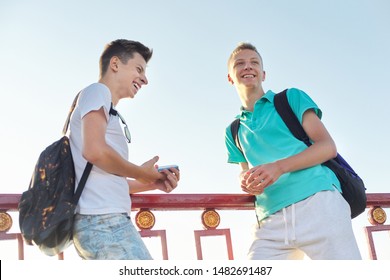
(244, 46)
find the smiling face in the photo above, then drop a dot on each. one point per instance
(246, 70)
(130, 76)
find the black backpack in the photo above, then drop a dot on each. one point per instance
(352, 186)
(47, 208)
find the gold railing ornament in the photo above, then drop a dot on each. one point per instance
(377, 216)
(210, 219)
(145, 219)
(5, 222)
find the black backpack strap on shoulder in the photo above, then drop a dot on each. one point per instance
(290, 119)
(66, 125)
(113, 111)
(234, 127)
(67, 122)
(82, 182)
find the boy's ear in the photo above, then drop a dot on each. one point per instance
(114, 61)
(230, 79)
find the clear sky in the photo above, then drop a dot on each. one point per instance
(336, 51)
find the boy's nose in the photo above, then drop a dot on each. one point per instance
(144, 80)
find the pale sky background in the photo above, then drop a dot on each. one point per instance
(336, 51)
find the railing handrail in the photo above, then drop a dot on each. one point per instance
(9, 202)
(193, 201)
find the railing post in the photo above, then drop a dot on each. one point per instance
(213, 232)
(377, 217)
(20, 246)
(145, 221)
(210, 221)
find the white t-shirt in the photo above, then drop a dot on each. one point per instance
(103, 193)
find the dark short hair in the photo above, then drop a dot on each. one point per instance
(244, 46)
(124, 50)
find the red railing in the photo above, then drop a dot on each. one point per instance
(145, 204)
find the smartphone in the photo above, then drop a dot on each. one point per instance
(164, 167)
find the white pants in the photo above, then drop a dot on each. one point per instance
(319, 226)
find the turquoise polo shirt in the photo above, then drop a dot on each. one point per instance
(265, 138)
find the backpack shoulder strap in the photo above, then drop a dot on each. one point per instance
(83, 180)
(66, 125)
(67, 122)
(288, 116)
(113, 111)
(234, 127)
(283, 108)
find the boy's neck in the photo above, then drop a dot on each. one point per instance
(112, 86)
(249, 98)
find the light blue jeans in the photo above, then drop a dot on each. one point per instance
(108, 237)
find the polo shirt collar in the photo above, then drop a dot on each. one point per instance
(269, 95)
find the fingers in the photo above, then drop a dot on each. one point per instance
(155, 159)
(257, 182)
(253, 183)
(245, 189)
(175, 172)
(168, 187)
(250, 178)
(172, 173)
(254, 190)
(172, 178)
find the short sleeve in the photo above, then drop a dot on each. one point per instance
(300, 102)
(233, 152)
(94, 97)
